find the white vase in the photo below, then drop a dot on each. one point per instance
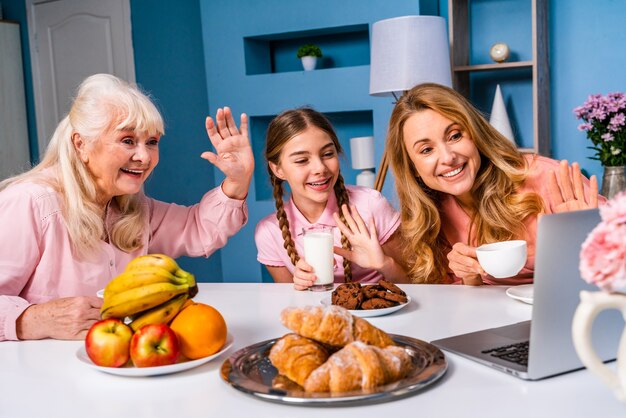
(591, 304)
(308, 63)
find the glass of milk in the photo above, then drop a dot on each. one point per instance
(318, 253)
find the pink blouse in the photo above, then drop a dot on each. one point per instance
(36, 260)
(456, 223)
(369, 203)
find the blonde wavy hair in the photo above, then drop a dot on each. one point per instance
(500, 210)
(102, 102)
(281, 129)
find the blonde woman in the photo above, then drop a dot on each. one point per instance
(302, 150)
(74, 221)
(462, 184)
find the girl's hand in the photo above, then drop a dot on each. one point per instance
(303, 275)
(366, 249)
(569, 193)
(234, 153)
(61, 319)
(464, 264)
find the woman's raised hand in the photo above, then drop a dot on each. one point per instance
(568, 193)
(233, 154)
(366, 249)
(464, 264)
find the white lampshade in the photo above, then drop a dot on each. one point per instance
(406, 51)
(362, 152)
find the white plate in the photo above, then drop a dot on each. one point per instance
(523, 293)
(366, 313)
(100, 293)
(81, 354)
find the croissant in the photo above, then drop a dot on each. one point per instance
(296, 357)
(359, 366)
(333, 325)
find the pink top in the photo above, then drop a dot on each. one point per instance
(455, 222)
(36, 260)
(370, 204)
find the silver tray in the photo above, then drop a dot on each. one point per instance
(250, 371)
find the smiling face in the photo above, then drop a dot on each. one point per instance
(310, 164)
(444, 155)
(119, 161)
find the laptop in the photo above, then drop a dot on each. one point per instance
(545, 342)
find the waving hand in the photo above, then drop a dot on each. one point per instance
(233, 153)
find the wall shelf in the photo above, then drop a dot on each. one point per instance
(465, 72)
(490, 67)
(343, 46)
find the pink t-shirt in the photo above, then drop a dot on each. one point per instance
(370, 204)
(36, 260)
(456, 223)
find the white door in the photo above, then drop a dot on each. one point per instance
(70, 40)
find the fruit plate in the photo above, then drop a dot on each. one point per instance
(132, 371)
(249, 370)
(366, 313)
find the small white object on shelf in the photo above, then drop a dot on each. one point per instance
(362, 152)
(499, 118)
(308, 62)
(499, 52)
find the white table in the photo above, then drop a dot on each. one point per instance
(45, 379)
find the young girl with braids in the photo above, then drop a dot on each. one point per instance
(302, 150)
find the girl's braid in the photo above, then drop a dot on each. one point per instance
(342, 198)
(283, 223)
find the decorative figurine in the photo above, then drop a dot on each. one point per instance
(499, 52)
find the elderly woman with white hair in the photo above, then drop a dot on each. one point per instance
(73, 222)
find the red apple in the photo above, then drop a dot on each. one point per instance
(108, 343)
(154, 345)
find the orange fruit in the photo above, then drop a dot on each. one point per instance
(201, 330)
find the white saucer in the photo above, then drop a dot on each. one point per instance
(366, 313)
(523, 293)
(81, 354)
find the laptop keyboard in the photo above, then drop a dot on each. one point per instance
(515, 353)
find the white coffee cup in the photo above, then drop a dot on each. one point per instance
(502, 259)
(318, 253)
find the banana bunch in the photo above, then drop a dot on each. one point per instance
(152, 289)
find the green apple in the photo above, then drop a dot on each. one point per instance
(108, 343)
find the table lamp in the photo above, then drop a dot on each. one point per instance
(362, 153)
(406, 51)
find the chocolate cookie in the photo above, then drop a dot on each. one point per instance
(347, 295)
(371, 291)
(377, 303)
(383, 294)
(394, 297)
(391, 287)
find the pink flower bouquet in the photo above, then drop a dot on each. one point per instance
(604, 122)
(603, 254)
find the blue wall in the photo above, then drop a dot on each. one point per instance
(587, 42)
(169, 64)
(339, 91)
(191, 67)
